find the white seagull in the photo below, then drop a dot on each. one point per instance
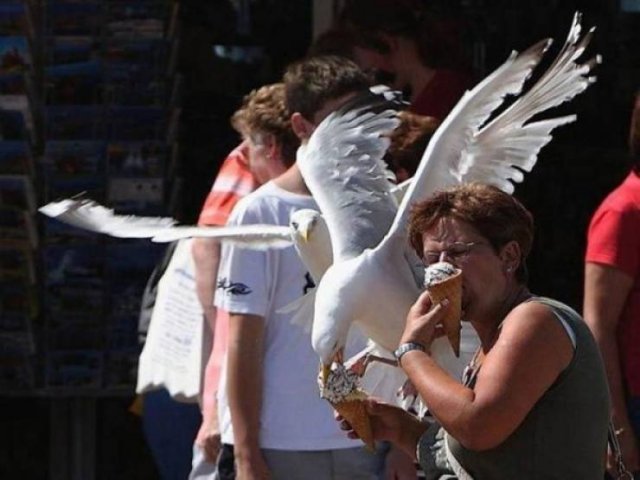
(376, 277)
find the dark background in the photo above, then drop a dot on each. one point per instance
(573, 174)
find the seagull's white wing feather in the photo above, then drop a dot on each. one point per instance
(463, 150)
(257, 237)
(400, 190)
(342, 166)
(506, 142)
(92, 216)
(89, 215)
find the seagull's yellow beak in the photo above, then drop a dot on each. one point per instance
(324, 373)
(304, 233)
(325, 369)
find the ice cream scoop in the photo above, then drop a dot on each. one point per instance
(340, 388)
(443, 280)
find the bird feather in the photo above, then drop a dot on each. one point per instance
(256, 237)
(464, 149)
(343, 168)
(90, 215)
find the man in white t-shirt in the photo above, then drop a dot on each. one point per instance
(271, 411)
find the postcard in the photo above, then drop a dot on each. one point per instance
(77, 157)
(83, 122)
(15, 157)
(17, 227)
(73, 264)
(17, 264)
(74, 368)
(136, 158)
(17, 191)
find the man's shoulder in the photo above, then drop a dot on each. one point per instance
(262, 202)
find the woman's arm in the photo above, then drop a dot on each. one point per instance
(532, 349)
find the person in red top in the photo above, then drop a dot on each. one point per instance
(234, 180)
(612, 297)
(420, 50)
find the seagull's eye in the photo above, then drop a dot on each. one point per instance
(295, 225)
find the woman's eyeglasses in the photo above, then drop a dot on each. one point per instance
(457, 253)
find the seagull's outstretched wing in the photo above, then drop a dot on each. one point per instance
(343, 168)
(92, 216)
(257, 237)
(505, 147)
(463, 150)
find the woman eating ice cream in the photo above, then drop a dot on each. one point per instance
(534, 401)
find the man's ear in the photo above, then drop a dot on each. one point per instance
(511, 255)
(302, 127)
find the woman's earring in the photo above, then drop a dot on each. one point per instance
(509, 269)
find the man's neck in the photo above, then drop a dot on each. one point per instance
(292, 181)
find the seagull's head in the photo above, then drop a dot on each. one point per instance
(303, 223)
(311, 239)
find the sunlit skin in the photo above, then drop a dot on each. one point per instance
(480, 299)
(263, 149)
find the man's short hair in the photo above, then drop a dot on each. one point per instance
(312, 82)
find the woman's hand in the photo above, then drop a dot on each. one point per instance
(423, 321)
(390, 423)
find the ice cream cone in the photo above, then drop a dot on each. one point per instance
(354, 412)
(450, 288)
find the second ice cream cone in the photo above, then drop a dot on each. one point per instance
(354, 412)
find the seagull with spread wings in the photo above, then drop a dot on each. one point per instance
(376, 277)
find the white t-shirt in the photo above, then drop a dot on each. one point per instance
(259, 282)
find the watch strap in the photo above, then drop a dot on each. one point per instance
(407, 347)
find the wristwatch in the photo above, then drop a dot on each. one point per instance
(407, 347)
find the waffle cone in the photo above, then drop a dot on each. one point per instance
(450, 288)
(354, 412)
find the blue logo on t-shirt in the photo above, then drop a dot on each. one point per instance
(309, 285)
(233, 288)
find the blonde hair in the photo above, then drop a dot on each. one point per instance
(264, 111)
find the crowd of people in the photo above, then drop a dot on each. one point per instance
(545, 391)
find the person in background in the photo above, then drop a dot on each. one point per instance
(168, 425)
(412, 49)
(233, 181)
(271, 415)
(537, 382)
(612, 297)
(408, 143)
